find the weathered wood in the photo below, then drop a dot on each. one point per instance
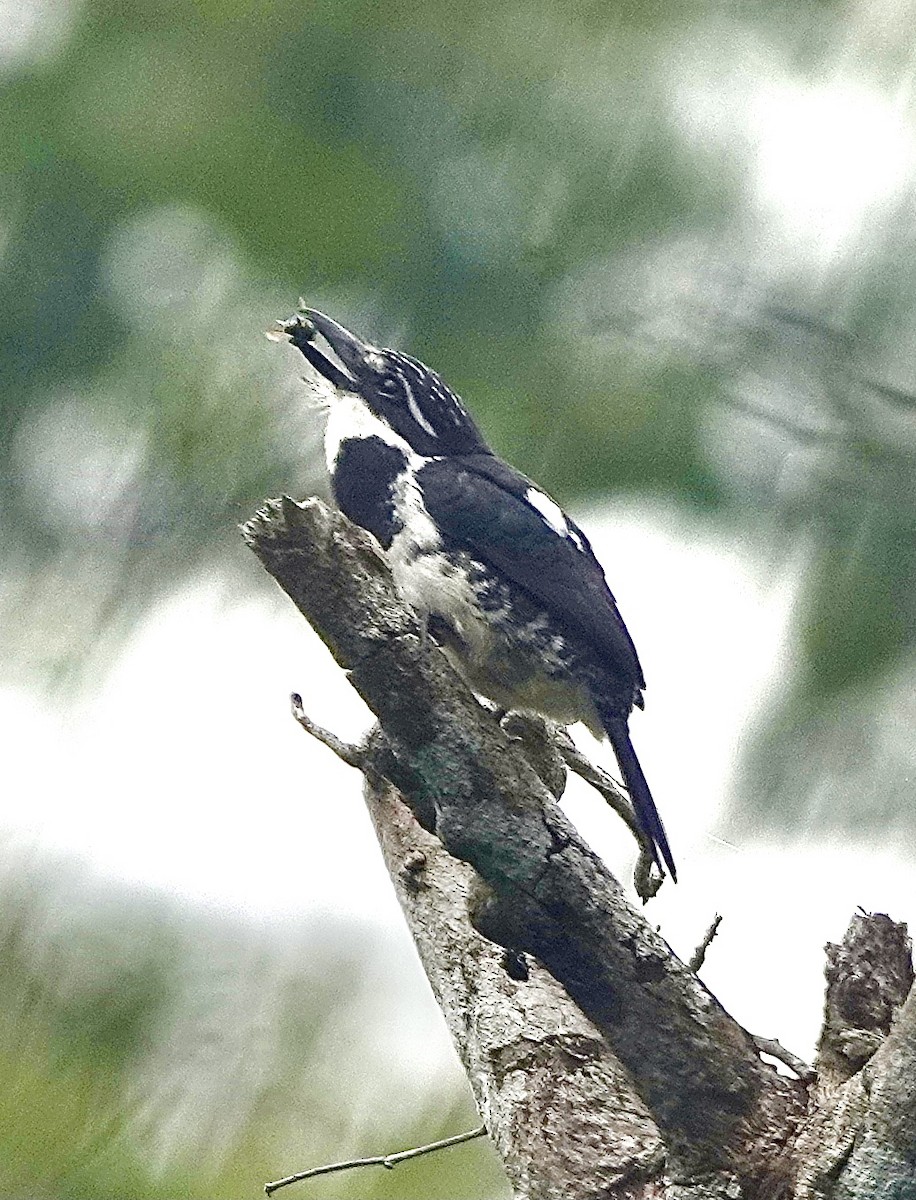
(604, 1068)
(859, 1141)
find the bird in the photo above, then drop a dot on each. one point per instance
(498, 575)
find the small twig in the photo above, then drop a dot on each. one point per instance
(600, 780)
(389, 1161)
(645, 881)
(776, 1050)
(353, 756)
(699, 955)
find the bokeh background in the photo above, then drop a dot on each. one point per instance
(667, 253)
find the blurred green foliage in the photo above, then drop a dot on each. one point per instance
(566, 210)
(524, 197)
(129, 1069)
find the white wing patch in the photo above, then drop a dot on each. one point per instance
(553, 515)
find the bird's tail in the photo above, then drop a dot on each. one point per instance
(643, 805)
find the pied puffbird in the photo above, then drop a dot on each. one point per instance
(496, 572)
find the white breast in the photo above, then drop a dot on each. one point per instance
(508, 673)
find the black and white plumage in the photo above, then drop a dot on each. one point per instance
(495, 570)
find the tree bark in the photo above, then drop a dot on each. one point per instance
(601, 1064)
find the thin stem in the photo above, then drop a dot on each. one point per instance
(389, 1161)
(645, 882)
(776, 1050)
(353, 756)
(699, 955)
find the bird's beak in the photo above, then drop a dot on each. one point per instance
(350, 353)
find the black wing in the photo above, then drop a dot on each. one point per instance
(480, 502)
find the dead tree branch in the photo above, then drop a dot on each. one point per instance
(601, 1065)
(859, 1142)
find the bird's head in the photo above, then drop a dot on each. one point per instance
(396, 388)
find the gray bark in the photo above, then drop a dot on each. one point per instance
(611, 1070)
(563, 1113)
(859, 1141)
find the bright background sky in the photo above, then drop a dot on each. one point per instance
(162, 779)
(617, 199)
(187, 775)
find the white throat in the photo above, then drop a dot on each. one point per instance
(350, 417)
